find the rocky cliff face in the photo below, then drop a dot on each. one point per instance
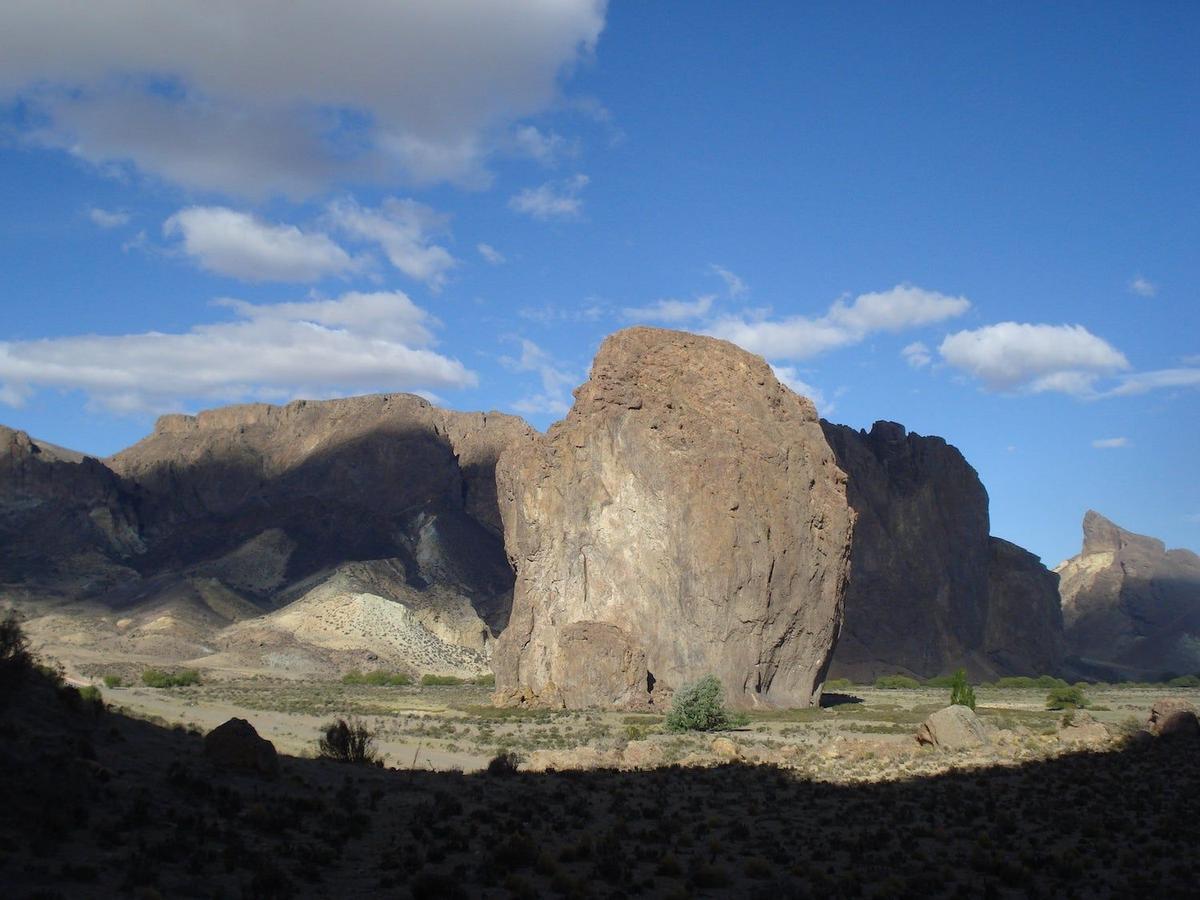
(67, 524)
(929, 589)
(266, 496)
(686, 517)
(1131, 607)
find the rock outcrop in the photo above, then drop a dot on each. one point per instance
(67, 524)
(953, 728)
(687, 517)
(929, 589)
(1131, 607)
(236, 745)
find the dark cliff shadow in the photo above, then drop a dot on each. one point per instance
(110, 806)
(830, 699)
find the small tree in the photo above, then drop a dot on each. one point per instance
(1069, 697)
(15, 661)
(350, 742)
(700, 706)
(961, 693)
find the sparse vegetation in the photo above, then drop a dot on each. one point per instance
(157, 678)
(961, 693)
(897, 682)
(838, 684)
(349, 742)
(1066, 697)
(430, 680)
(113, 681)
(378, 678)
(1041, 682)
(700, 706)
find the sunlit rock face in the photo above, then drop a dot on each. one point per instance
(1131, 607)
(687, 517)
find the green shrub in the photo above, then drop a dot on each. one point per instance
(939, 681)
(700, 706)
(488, 680)
(440, 680)
(1066, 697)
(157, 678)
(377, 678)
(838, 684)
(896, 682)
(349, 742)
(113, 681)
(1185, 681)
(961, 693)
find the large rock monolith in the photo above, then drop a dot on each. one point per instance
(687, 517)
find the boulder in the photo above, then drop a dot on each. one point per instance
(953, 728)
(235, 745)
(1131, 607)
(686, 518)
(929, 589)
(643, 755)
(1166, 708)
(1181, 723)
(1082, 729)
(725, 749)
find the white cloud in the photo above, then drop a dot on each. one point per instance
(733, 284)
(240, 245)
(404, 229)
(916, 355)
(801, 337)
(791, 378)
(1142, 287)
(1144, 382)
(289, 95)
(1012, 356)
(552, 200)
(1110, 443)
(358, 342)
(670, 310)
(557, 381)
(546, 149)
(593, 310)
(104, 218)
(491, 254)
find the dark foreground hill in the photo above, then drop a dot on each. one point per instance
(99, 805)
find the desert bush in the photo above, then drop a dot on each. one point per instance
(157, 678)
(113, 681)
(488, 680)
(1185, 681)
(896, 682)
(939, 681)
(961, 693)
(503, 764)
(838, 684)
(349, 742)
(700, 706)
(378, 678)
(440, 680)
(15, 660)
(1066, 697)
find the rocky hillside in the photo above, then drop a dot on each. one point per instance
(1131, 607)
(929, 589)
(686, 517)
(223, 516)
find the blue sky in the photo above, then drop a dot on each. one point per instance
(979, 220)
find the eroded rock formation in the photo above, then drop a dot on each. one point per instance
(687, 517)
(1131, 607)
(929, 589)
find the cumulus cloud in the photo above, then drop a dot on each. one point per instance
(1012, 356)
(240, 245)
(287, 95)
(916, 355)
(552, 200)
(491, 255)
(670, 311)
(733, 284)
(801, 337)
(104, 218)
(546, 148)
(1142, 287)
(1144, 382)
(357, 342)
(790, 377)
(1110, 443)
(557, 381)
(404, 229)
